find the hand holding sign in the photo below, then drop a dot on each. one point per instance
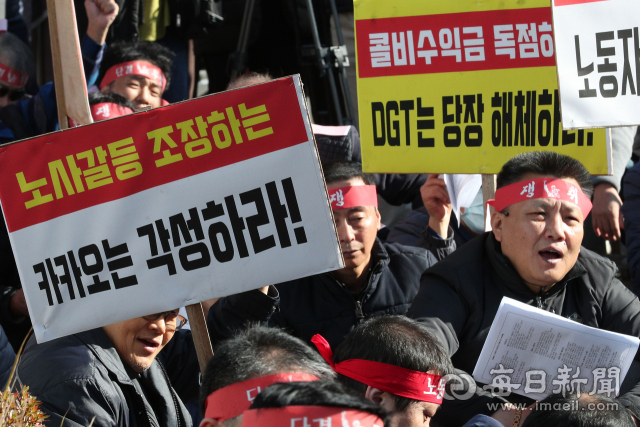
(436, 200)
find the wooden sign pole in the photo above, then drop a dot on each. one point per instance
(71, 87)
(488, 192)
(72, 100)
(200, 334)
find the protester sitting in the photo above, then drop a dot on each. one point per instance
(16, 62)
(323, 403)
(108, 106)
(396, 363)
(139, 71)
(378, 278)
(574, 410)
(532, 255)
(111, 376)
(39, 115)
(433, 226)
(249, 362)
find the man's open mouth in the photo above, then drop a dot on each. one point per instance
(149, 344)
(550, 254)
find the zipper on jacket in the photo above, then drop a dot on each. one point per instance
(359, 313)
(539, 302)
(173, 396)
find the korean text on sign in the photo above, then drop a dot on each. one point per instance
(164, 208)
(460, 88)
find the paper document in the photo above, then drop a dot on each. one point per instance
(535, 353)
(462, 190)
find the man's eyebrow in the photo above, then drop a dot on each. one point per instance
(145, 79)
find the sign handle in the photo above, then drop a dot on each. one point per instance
(488, 192)
(71, 87)
(200, 334)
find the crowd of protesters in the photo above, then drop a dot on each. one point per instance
(388, 340)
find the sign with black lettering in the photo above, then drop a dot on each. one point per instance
(598, 62)
(165, 208)
(461, 87)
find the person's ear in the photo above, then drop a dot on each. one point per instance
(210, 422)
(382, 399)
(497, 219)
(379, 218)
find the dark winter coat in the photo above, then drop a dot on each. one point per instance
(460, 296)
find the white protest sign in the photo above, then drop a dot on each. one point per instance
(462, 190)
(598, 60)
(166, 208)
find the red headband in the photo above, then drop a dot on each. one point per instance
(108, 110)
(12, 77)
(134, 68)
(310, 416)
(231, 401)
(351, 197)
(541, 188)
(390, 378)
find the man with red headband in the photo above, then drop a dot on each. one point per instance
(378, 278)
(396, 363)
(311, 404)
(139, 71)
(532, 255)
(248, 363)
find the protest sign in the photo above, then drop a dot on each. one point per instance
(461, 87)
(168, 207)
(598, 54)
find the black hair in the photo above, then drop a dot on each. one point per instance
(111, 97)
(395, 340)
(152, 52)
(545, 163)
(315, 393)
(257, 352)
(584, 411)
(248, 79)
(343, 170)
(15, 54)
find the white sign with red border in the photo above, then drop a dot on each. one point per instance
(156, 210)
(598, 59)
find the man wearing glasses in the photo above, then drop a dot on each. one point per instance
(115, 375)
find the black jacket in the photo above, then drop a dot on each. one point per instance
(7, 357)
(460, 296)
(82, 376)
(321, 305)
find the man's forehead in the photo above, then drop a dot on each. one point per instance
(345, 183)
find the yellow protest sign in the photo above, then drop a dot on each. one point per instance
(461, 87)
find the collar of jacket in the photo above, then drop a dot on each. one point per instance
(505, 271)
(102, 347)
(379, 256)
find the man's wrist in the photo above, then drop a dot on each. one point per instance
(97, 33)
(440, 228)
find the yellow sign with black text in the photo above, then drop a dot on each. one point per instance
(461, 87)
